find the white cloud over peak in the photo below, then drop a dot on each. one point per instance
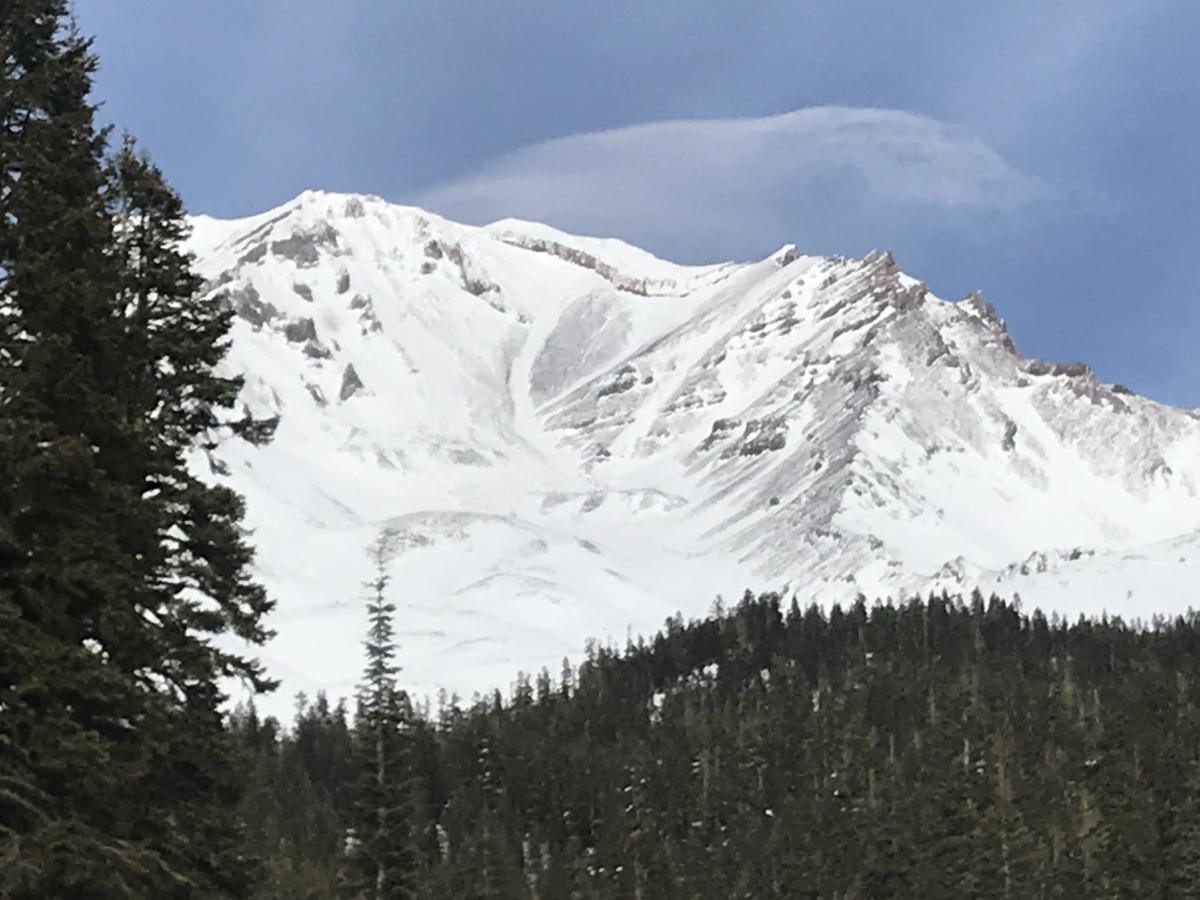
(830, 178)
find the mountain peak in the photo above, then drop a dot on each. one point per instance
(568, 436)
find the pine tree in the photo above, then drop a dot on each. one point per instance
(196, 579)
(117, 566)
(380, 855)
(68, 727)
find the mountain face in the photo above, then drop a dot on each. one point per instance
(567, 437)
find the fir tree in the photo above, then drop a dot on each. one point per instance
(380, 854)
(117, 566)
(70, 724)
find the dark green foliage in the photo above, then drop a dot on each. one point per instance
(933, 749)
(117, 566)
(296, 801)
(380, 853)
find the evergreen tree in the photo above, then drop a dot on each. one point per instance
(70, 723)
(380, 853)
(117, 566)
(293, 802)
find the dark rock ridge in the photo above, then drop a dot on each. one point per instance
(644, 287)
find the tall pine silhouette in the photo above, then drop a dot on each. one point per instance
(381, 854)
(117, 566)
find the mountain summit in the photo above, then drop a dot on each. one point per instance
(568, 437)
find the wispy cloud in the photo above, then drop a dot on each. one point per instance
(829, 178)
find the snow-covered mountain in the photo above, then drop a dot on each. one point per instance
(570, 438)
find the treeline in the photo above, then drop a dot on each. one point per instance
(934, 749)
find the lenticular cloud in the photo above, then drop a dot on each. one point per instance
(830, 177)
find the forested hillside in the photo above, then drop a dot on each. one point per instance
(935, 749)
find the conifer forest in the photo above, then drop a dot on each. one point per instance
(941, 747)
(937, 748)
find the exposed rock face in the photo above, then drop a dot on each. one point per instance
(1010, 435)
(623, 380)
(351, 384)
(469, 277)
(303, 247)
(301, 330)
(254, 254)
(580, 258)
(760, 436)
(247, 303)
(1070, 370)
(314, 349)
(317, 394)
(644, 287)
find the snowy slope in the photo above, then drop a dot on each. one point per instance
(569, 438)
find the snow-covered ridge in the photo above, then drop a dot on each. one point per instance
(655, 277)
(570, 437)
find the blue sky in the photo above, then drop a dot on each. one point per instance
(1046, 153)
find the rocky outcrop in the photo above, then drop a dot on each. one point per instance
(304, 247)
(247, 304)
(300, 331)
(1068, 369)
(623, 379)
(351, 384)
(471, 281)
(643, 287)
